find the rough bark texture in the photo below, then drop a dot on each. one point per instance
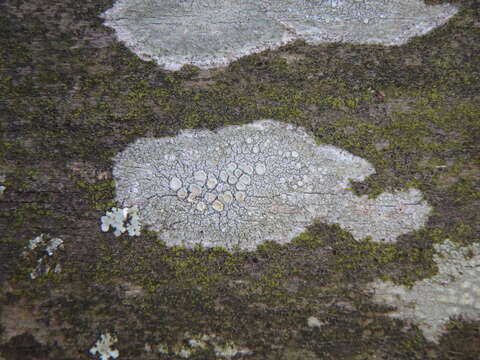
(72, 97)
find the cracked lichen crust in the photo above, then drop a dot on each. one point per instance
(209, 33)
(384, 22)
(454, 291)
(244, 185)
(204, 33)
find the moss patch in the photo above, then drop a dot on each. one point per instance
(72, 95)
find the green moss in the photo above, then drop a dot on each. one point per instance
(465, 190)
(369, 252)
(307, 239)
(25, 214)
(405, 262)
(99, 194)
(187, 72)
(412, 111)
(11, 150)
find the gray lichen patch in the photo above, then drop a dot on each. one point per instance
(205, 33)
(209, 33)
(244, 185)
(366, 21)
(454, 291)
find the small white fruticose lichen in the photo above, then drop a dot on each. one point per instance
(122, 220)
(244, 185)
(209, 33)
(103, 347)
(50, 245)
(53, 245)
(32, 244)
(454, 291)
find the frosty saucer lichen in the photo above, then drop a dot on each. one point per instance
(210, 33)
(454, 291)
(244, 185)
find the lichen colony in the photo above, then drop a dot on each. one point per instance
(244, 185)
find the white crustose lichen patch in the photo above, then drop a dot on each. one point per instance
(454, 291)
(103, 347)
(244, 185)
(122, 220)
(209, 33)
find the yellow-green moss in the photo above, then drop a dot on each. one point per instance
(99, 194)
(412, 111)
